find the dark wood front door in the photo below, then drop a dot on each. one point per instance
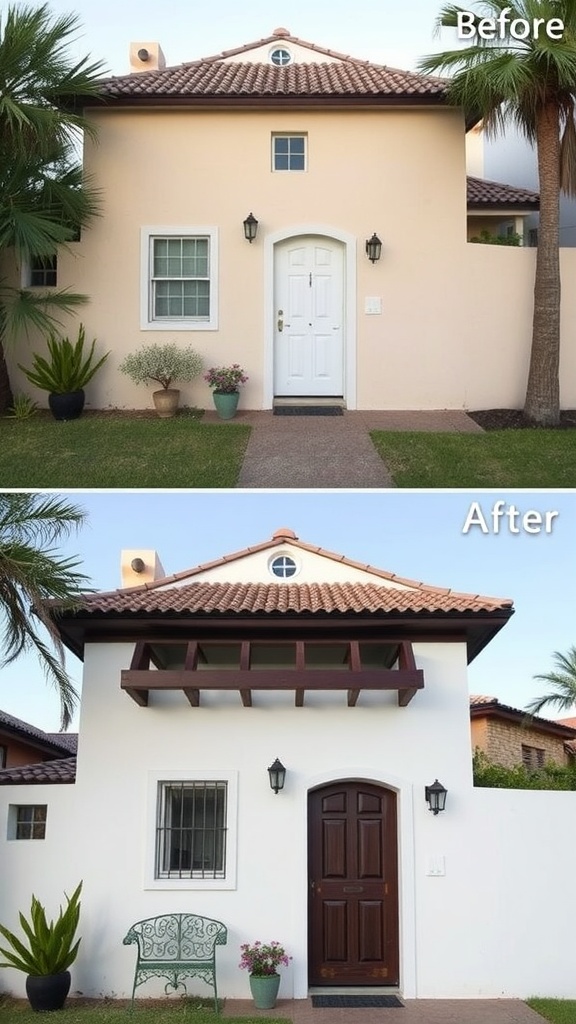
(353, 885)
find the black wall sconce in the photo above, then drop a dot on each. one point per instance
(277, 776)
(250, 228)
(373, 248)
(436, 797)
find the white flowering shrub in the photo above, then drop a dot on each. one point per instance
(162, 363)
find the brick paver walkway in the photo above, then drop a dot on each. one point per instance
(415, 1011)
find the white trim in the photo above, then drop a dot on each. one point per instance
(229, 882)
(350, 299)
(178, 231)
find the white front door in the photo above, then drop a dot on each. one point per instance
(309, 318)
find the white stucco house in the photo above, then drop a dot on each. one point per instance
(356, 680)
(239, 192)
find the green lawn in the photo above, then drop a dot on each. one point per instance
(559, 1011)
(108, 1011)
(497, 458)
(120, 451)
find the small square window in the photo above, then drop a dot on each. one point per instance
(43, 272)
(289, 152)
(27, 821)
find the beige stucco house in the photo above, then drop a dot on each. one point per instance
(323, 151)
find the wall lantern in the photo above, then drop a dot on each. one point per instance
(277, 774)
(250, 228)
(436, 797)
(373, 248)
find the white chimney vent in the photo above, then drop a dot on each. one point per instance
(139, 566)
(146, 57)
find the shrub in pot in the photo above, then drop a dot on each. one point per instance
(163, 364)
(48, 950)
(65, 374)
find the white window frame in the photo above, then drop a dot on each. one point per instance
(147, 235)
(289, 135)
(13, 822)
(154, 795)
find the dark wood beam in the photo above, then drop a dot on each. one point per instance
(274, 679)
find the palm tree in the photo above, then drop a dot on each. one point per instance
(30, 574)
(43, 199)
(562, 681)
(529, 83)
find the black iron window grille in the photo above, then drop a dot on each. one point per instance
(191, 830)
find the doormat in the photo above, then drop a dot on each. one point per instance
(308, 410)
(352, 1002)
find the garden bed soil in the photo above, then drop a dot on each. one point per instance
(514, 419)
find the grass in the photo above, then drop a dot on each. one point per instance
(110, 1011)
(497, 458)
(559, 1011)
(120, 451)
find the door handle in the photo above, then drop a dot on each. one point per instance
(280, 325)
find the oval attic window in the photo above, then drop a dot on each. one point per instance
(283, 567)
(280, 57)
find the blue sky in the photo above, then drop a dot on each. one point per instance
(379, 30)
(418, 535)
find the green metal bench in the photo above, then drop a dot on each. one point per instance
(177, 946)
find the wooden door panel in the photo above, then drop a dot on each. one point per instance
(353, 873)
(369, 849)
(334, 849)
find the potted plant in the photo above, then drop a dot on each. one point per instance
(65, 374)
(225, 382)
(262, 961)
(50, 950)
(163, 364)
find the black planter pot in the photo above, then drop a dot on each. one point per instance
(48, 992)
(68, 406)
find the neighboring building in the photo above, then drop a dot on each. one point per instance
(324, 151)
(24, 744)
(509, 738)
(356, 679)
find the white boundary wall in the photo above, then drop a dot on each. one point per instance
(498, 922)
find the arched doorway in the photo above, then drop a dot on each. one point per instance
(353, 885)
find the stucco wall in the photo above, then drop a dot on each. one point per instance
(471, 930)
(455, 325)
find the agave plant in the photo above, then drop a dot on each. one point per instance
(68, 368)
(51, 947)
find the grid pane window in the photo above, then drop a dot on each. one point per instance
(289, 152)
(533, 758)
(31, 821)
(43, 272)
(180, 278)
(191, 830)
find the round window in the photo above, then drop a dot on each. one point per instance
(280, 57)
(283, 567)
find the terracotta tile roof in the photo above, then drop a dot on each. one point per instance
(208, 598)
(60, 772)
(285, 534)
(59, 742)
(328, 74)
(483, 195)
